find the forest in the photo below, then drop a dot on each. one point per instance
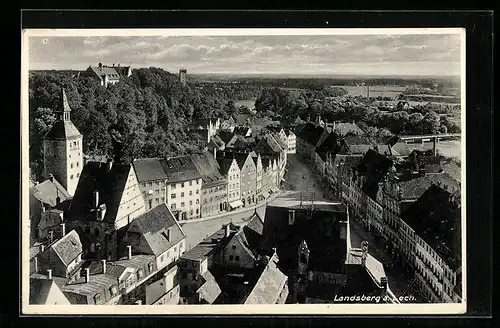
(146, 115)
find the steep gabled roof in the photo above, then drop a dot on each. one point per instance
(48, 191)
(110, 185)
(329, 145)
(345, 128)
(149, 169)
(68, 247)
(373, 166)
(311, 133)
(225, 164)
(268, 287)
(40, 290)
(153, 226)
(415, 187)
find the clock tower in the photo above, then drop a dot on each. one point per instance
(63, 148)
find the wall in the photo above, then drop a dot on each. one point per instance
(49, 221)
(190, 198)
(154, 193)
(237, 255)
(248, 180)
(132, 203)
(214, 200)
(234, 180)
(171, 255)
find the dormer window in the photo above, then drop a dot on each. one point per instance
(97, 298)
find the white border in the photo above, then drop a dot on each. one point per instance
(312, 309)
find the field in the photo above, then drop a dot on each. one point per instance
(375, 91)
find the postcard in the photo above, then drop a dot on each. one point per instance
(243, 171)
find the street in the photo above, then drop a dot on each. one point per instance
(197, 231)
(302, 176)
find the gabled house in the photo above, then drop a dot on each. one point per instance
(231, 172)
(151, 178)
(106, 200)
(63, 258)
(46, 292)
(107, 75)
(307, 140)
(248, 178)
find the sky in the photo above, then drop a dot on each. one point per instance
(388, 54)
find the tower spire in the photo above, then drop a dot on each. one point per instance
(64, 109)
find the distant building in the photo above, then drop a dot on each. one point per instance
(63, 148)
(307, 139)
(183, 76)
(107, 75)
(106, 200)
(243, 131)
(228, 124)
(291, 141)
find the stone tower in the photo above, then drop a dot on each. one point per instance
(183, 76)
(63, 148)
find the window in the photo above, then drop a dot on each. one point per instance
(197, 191)
(190, 193)
(173, 186)
(113, 290)
(96, 232)
(182, 204)
(161, 258)
(157, 200)
(190, 183)
(150, 266)
(197, 202)
(237, 258)
(71, 177)
(197, 211)
(182, 184)
(140, 274)
(234, 247)
(71, 165)
(97, 298)
(182, 194)
(173, 196)
(78, 175)
(191, 212)
(190, 203)
(230, 257)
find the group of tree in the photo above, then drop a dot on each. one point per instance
(145, 115)
(290, 104)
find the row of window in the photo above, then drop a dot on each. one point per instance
(173, 206)
(172, 186)
(174, 195)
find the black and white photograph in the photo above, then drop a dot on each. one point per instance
(243, 171)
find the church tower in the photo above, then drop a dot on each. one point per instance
(63, 148)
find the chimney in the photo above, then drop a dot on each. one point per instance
(58, 200)
(109, 164)
(129, 252)
(113, 64)
(63, 229)
(100, 65)
(51, 177)
(274, 251)
(96, 199)
(228, 230)
(215, 153)
(87, 275)
(35, 260)
(42, 248)
(103, 266)
(49, 274)
(51, 236)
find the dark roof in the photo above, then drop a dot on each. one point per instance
(216, 142)
(253, 232)
(436, 218)
(224, 164)
(452, 168)
(373, 166)
(225, 136)
(318, 225)
(268, 287)
(62, 130)
(210, 244)
(241, 130)
(149, 169)
(240, 142)
(415, 187)
(329, 145)
(241, 159)
(268, 145)
(122, 70)
(110, 185)
(311, 133)
(68, 247)
(207, 166)
(180, 168)
(48, 191)
(106, 70)
(153, 225)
